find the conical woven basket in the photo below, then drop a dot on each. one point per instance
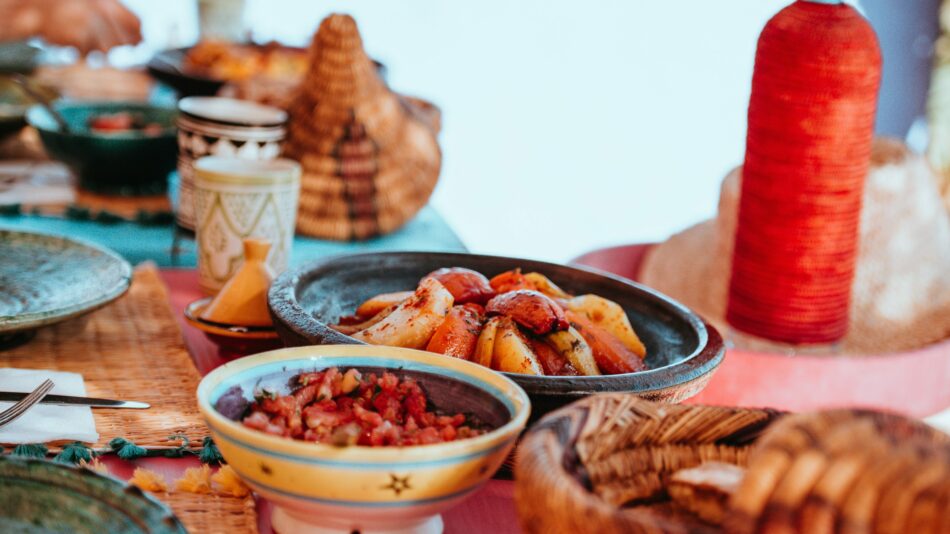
(370, 157)
(601, 465)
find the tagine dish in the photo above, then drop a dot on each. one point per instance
(514, 322)
(235, 62)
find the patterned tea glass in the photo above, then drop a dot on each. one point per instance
(235, 199)
(214, 126)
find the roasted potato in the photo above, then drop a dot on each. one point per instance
(572, 346)
(414, 320)
(485, 346)
(608, 315)
(380, 302)
(542, 283)
(352, 324)
(512, 352)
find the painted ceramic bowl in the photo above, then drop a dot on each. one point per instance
(44, 496)
(682, 350)
(233, 340)
(133, 162)
(46, 279)
(366, 489)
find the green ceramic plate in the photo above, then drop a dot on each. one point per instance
(38, 496)
(46, 279)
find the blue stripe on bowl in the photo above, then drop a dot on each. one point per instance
(324, 362)
(365, 504)
(365, 466)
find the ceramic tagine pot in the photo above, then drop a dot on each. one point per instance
(237, 318)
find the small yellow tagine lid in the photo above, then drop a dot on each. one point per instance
(243, 299)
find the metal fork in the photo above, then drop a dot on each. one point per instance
(13, 412)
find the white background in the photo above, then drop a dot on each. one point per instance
(568, 125)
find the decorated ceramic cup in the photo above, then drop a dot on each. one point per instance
(236, 199)
(213, 126)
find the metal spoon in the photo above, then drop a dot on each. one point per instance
(41, 100)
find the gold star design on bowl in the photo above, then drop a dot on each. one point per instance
(398, 484)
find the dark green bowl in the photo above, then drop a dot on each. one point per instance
(38, 496)
(125, 163)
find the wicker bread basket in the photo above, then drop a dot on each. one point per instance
(601, 465)
(370, 157)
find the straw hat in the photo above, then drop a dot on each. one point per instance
(901, 291)
(370, 157)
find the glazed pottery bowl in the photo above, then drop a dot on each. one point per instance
(232, 339)
(125, 163)
(682, 350)
(44, 496)
(47, 279)
(323, 488)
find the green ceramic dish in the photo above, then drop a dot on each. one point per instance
(125, 163)
(38, 496)
(46, 279)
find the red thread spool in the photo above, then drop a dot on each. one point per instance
(808, 147)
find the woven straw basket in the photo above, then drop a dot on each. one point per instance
(370, 157)
(601, 465)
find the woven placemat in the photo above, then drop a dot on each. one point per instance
(213, 513)
(132, 350)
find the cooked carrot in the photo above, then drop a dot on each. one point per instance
(511, 280)
(553, 363)
(611, 355)
(458, 333)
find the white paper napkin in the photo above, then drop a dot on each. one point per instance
(47, 422)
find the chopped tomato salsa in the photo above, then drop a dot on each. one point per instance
(351, 409)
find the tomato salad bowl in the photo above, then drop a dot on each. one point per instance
(319, 487)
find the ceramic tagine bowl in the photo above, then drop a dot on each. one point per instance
(322, 488)
(237, 319)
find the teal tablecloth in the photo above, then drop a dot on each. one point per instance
(137, 243)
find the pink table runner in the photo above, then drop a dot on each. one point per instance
(489, 510)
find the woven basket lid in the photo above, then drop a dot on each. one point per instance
(603, 464)
(370, 156)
